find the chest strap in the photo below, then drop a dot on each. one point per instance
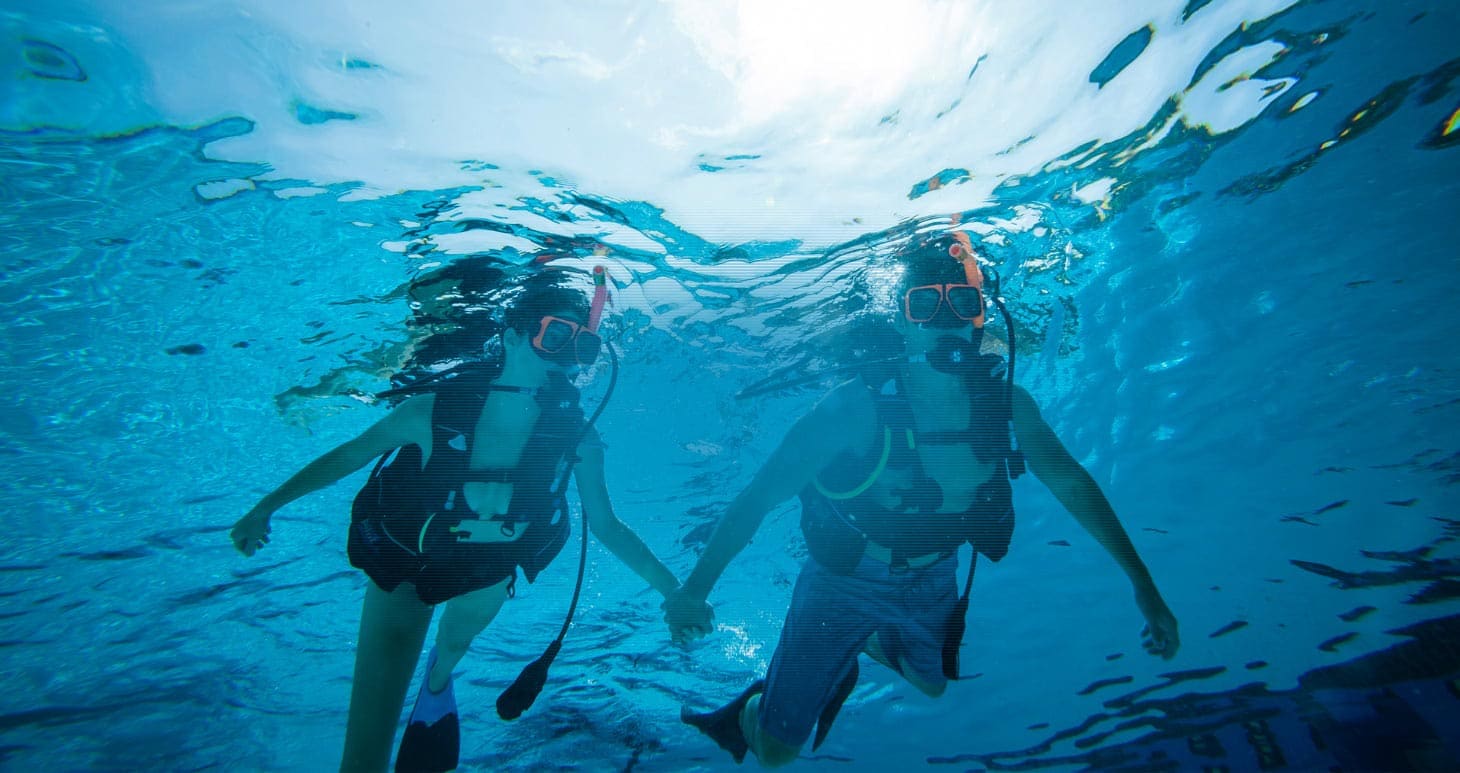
(491, 475)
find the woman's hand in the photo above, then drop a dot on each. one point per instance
(688, 617)
(251, 532)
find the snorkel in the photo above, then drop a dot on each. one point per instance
(952, 354)
(600, 296)
(595, 315)
(565, 341)
(962, 249)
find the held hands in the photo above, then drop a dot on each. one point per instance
(1159, 636)
(251, 532)
(688, 617)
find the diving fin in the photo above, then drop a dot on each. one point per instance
(828, 714)
(432, 741)
(953, 635)
(723, 724)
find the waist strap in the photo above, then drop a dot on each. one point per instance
(883, 554)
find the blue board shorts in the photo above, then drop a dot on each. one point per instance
(830, 620)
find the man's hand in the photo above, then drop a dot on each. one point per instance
(1159, 636)
(251, 532)
(688, 617)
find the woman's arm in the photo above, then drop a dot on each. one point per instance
(615, 535)
(408, 423)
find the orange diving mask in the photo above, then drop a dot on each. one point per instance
(565, 342)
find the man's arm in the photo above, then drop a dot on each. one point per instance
(811, 444)
(614, 533)
(408, 423)
(1072, 485)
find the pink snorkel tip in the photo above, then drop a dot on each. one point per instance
(600, 296)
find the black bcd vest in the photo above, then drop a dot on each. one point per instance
(838, 515)
(402, 519)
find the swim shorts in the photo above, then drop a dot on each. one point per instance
(830, 620)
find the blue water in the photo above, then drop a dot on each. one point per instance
(1242, 325)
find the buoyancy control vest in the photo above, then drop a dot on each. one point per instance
(403, 519)
(839, 512)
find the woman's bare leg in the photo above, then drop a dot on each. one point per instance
(392, 629)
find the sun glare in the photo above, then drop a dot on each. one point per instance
(834, 56)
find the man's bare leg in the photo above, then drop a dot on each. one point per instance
(768, 750)
(874, 650)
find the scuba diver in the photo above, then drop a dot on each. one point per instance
(894, 473)
(470, 486)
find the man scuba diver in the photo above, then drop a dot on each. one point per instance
(471, 486)
(893, 478)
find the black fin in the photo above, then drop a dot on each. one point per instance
(431, 747)
(723, 724)
(828, 714)
(953, 636)
(434, 748)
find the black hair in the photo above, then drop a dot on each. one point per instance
(927, 259)
(540, 294)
